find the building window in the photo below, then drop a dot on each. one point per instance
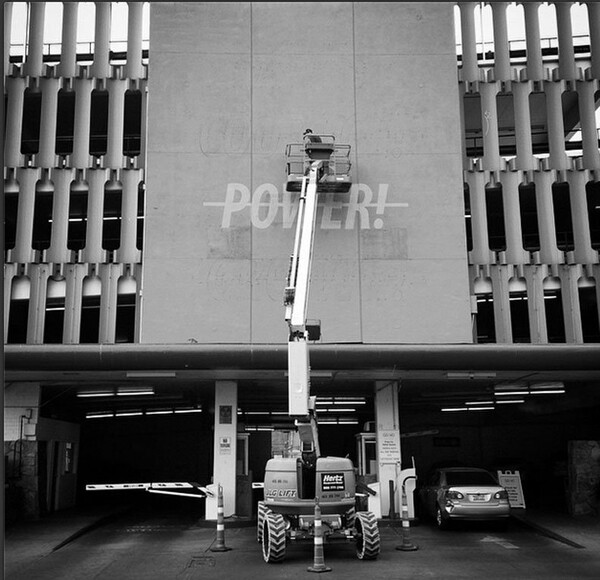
(592, 192)
(78, 204)
(111, 222)
(486, 329)
(55, 311)
(99, 123)
(495, 218)
(553, 308)
(538, 115)
(563, 224)
(519, 317)
(32, 113)
(529, 223)
(588, 305)
(65, 122)
(506, 124)
(11, 204)
(19, 310)
(132, 123)
(474, 131)
(42, 214)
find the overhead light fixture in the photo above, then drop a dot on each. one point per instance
(509, 401)
(150, 374)
(128, 413)
(159, 412)
(479, 403)
(192, 410)
(98, 415)
(470, 375)
(547, 391)
(454, 409)
(134, 391)
(85, 394)
(511, 393)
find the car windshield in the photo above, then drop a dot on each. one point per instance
(469, 478)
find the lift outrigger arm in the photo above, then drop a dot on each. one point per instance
(301, 404)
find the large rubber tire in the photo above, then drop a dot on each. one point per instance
(441, 520)
(261, 512)
(273, 538)
(367, 536)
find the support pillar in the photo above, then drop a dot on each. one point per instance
(68, 58)
(535, 67)
(388, 441)
(134, 68)
(470, 69)
(501, 47)
(101, 67)
(225, 446)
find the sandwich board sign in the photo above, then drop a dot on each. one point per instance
(511, 481)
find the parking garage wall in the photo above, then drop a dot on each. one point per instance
(231, 85)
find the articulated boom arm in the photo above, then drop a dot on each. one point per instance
(301, 404)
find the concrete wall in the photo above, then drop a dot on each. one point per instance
(230, 84)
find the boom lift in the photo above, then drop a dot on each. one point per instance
(293, 484)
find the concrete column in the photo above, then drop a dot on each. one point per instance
(49, 88)
(81, 126)
(589, 130)
(15, 87)
(74, 273)
(128, 252)
(8, 9)
(534, 275)
(570, 303)
(525, 159)
(470, 70)
(58, 251)
(68, 57)
(134, 68)
(35, 52)
(489, 122)
(535, 68)
(515, 254)
(593, 9)
(116, 113)
(36, 316)
(549, 253)
(101, 67)
(481, 253)
(225, 444)
(556, 126)
(566, 52)
(389, 456)
(501, 294)
(501, 48)
(93, 252)
(23, 250)
(584, 254)
(109, 276)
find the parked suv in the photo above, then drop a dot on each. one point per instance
(463, 493)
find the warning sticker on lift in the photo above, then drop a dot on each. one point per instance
(332, 482)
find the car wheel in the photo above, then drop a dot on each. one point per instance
(441, 519)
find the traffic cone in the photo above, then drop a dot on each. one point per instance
(220, 545)
(407, 545)
(319, 560)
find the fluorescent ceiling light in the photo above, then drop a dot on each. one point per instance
(96, 394)
(547, 392)
(128, 414)
(451, 409)
(98, 415)
(470, 375)
(134, 392)
(160, 412)
(510, 393)
(188, 410)
(479, 403)
(150, 374)
(509, 401)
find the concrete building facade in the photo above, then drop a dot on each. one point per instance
(148, 233)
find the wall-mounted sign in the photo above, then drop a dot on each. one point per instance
(388, 444)
(225, 414)
(225, 446)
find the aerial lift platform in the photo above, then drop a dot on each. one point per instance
(294, 484)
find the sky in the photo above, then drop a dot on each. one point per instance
(483, 18)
